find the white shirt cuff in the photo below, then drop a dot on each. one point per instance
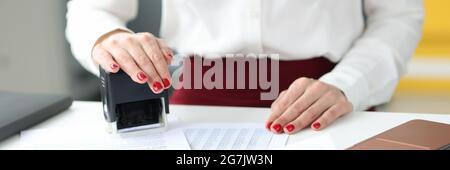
(354, 87)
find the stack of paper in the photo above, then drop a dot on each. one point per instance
(200, 136)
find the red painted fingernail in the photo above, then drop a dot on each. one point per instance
(141, 76)
(290, 127)
(316, 125)
(157, 86)
(169, 54)
(277, 127)
(166, 83)
(268, 125)
(114, 66)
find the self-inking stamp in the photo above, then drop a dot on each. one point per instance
(130, 106)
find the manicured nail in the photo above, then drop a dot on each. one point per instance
(166, 83)
(141, 76)
(290, 127)
(268, 125)
(157, 87)
(114, 66)
(169, 54)
(277, 127)
(316, 125)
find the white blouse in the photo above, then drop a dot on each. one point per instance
(372, 39)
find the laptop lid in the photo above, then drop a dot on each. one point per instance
(19, 111)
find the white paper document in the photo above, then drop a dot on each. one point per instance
(55, 139)
(317, 141)
(197, 136)
(232, 137)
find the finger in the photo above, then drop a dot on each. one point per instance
(311, 114)
(331, 115)
(270, 120)
(168, 53)
(282, 94)
(125, 61)
(104, 59)
(151, 48)
(275, 105)
(143, 61)
(296, 89)
(311, 94)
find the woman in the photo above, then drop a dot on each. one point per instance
(335, 57)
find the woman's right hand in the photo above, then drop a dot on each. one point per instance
(142, 56)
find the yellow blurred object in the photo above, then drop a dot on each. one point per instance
(428, 87)
(436, 33)
(435, 43)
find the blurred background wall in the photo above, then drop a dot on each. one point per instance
(426, 85)
(35, 57)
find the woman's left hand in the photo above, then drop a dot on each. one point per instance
(307, 102)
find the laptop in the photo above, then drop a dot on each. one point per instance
(19, 111)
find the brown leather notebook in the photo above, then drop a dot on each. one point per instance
(412, 135)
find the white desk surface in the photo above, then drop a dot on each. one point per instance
(345, 132)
